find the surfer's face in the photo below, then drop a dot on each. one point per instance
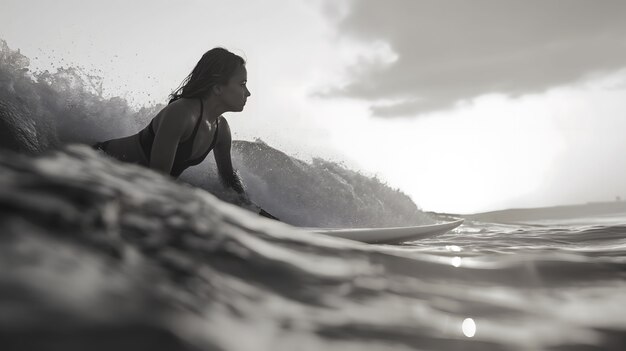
(235, 93)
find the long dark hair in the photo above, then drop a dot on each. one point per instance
(215, 67)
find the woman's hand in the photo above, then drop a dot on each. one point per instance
(266, 214)
(256, 208)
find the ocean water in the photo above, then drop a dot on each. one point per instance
(557, 285)
(93, 249)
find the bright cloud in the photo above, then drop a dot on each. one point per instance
(451, 51)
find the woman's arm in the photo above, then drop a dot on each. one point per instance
(223, 160)
(170, 131)
(225, 166)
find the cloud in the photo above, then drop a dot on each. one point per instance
(451, 51)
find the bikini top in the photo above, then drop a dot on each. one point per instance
(182, 159)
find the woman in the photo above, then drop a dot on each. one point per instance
(191, 125)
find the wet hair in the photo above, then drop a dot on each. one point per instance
(216, 66)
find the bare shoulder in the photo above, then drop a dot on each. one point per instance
(223, 122)
(223, 135)
(183, 104)
(181, 113)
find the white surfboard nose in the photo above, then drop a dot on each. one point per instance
(392, 235)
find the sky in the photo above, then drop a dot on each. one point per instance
(466, 106)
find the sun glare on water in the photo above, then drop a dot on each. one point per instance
(468, 327)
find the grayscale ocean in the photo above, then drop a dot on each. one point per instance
(100, 255)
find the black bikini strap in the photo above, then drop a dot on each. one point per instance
(195, 129)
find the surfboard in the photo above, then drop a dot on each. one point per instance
(391, 235)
